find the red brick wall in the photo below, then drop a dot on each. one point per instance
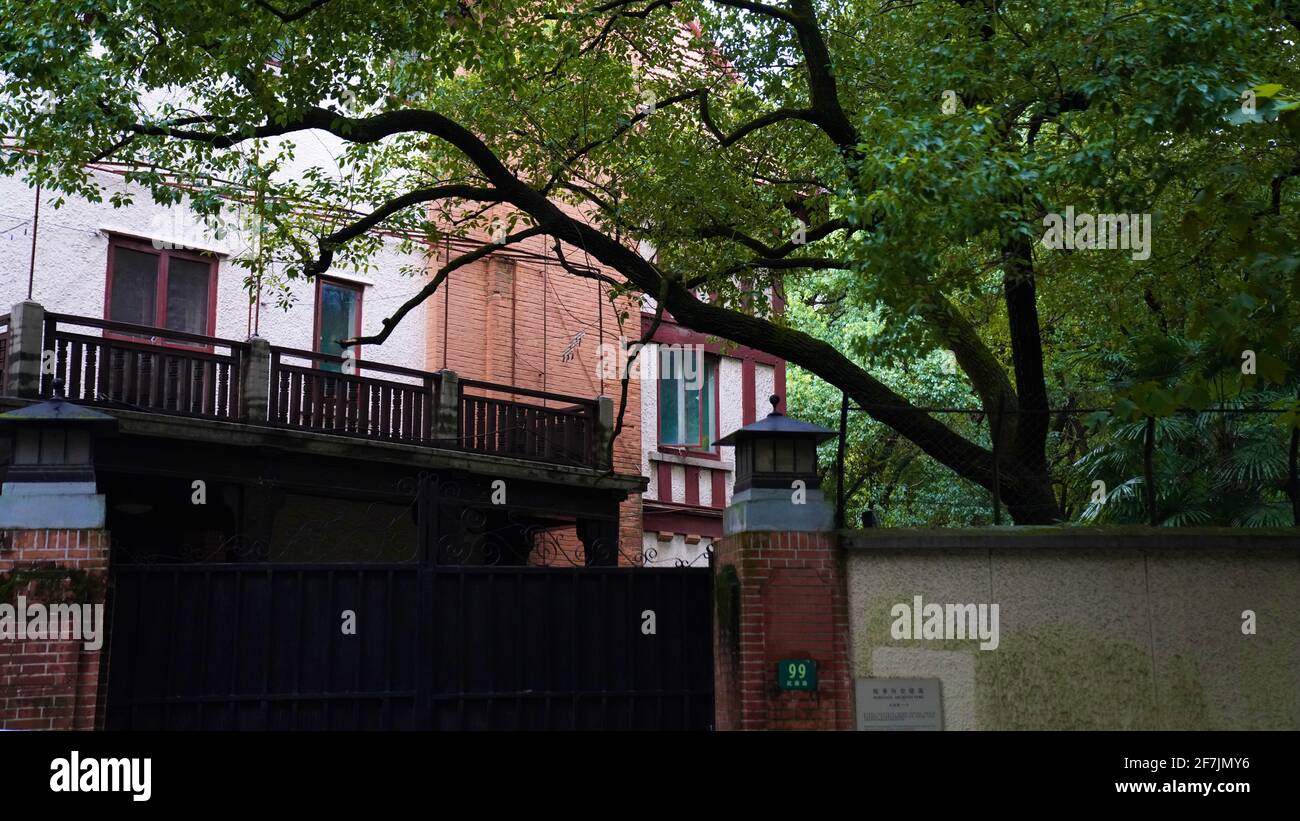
(792, 603)
(508, 319)
(51, 685)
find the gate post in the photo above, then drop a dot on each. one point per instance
(54, 555)
(781, 597)
(781, 634)
(53, 683)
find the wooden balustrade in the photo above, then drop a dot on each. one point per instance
(563, 434)
(144, 368)
(317, 398)
(153, 369)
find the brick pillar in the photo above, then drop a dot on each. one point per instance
(499, 322)
(780, 595)
(51, 683)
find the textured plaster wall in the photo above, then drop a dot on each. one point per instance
(1094, 638)
(649, 360)
(730, 399)
(72, 259)
(764, 387)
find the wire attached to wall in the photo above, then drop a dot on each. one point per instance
(546, 287)
(36, 223)
(446, 297)
(600, 333)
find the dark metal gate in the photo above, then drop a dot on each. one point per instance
(263, 646)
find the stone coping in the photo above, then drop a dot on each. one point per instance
(1077, 538)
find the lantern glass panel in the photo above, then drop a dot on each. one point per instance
(784, 455)
(763, 456)
(53, 442)
(27, 447)
(78, 447)
(805, 456)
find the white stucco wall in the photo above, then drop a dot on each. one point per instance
(764, 387)
(674, 552)
(649, 360)
(731, 410)
(72, 257)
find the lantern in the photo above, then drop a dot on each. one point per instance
(51, 474)
(777, 485)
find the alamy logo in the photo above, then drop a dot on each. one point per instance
(75, 774)
(945, 622)
(684, 362)
(1088, 232)
(53, 622)
(182, 229)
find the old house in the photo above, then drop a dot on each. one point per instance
(257, 471)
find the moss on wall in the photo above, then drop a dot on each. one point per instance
(1051, 675)
(1057, 679)
(726, 598)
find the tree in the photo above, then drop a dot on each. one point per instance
(901, 155)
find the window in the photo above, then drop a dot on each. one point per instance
(688, 398)
(338, 316)
(161, 288)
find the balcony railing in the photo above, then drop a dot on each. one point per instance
(317, 394)
(171, 372)
(525, 426)
(144, 368)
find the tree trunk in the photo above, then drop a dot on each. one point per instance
(1027, 454)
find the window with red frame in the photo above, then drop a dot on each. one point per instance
(163, 288)
(688, 406)
(338, 316)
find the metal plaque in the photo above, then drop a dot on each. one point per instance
(899, 703)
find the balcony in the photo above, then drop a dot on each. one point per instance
(140, 368)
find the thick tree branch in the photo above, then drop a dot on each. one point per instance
(819, 357)
(771, 118)
(331, 243)
(774, 12)
(291, 16)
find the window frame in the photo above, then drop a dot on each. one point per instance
(360, 290)
(702, 452)
(161, 272)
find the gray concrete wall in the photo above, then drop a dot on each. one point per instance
(1099, 629)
